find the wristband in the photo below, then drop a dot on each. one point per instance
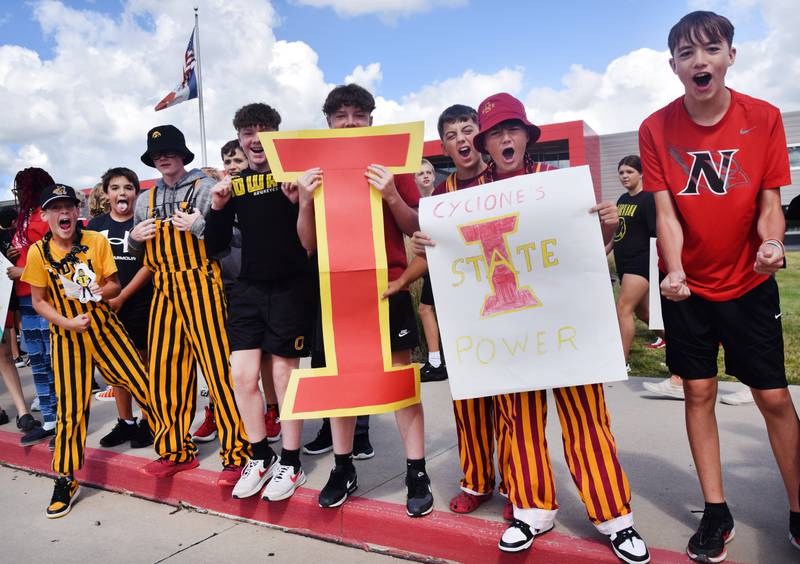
(775, 243)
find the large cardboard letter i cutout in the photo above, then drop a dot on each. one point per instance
(359, 377)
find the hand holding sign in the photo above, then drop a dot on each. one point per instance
(359, 377)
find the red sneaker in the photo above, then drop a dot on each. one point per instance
(229, 476)
(508, 511)
(466, 502)
(273, 423)
(207, 432)
(659, 343)
(164, 468)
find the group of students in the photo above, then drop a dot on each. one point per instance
(712, 154)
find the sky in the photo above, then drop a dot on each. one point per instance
(79, 78)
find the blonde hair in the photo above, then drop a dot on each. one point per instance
(212, 173)
(98, 201)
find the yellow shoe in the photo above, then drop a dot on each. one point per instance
(64, 495)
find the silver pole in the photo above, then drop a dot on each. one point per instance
(199, 86)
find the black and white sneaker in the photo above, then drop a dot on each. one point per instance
(715, 531)
(519, 536)
(322, 443)
(629, 546)
(419, 500)
(362, 448)
(430, 373)
(342, 482)
(794, 529)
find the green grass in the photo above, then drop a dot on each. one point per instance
(649, 362)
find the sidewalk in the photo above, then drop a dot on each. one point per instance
(653, 448)
(125, 530)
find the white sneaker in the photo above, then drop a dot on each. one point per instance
(629, 546)
(742, 397)
(519, 536)
(284, 482)
(664, 388)
(254, 475)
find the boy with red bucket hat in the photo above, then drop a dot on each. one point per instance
(505, 135)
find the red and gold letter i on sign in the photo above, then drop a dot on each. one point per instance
(359, 377)
(491, 235)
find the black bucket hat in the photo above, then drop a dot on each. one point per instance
(166, 139)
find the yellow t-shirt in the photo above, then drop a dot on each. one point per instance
(40, 273)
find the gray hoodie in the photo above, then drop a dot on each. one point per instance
(167, 198)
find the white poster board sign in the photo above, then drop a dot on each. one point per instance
(656, 321)
(6, 287)
(521, 284)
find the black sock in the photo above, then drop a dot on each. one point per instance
(262, 451)
(291, 458)
(415, 466)
(794, 523)
(344, 460)
(718, 508)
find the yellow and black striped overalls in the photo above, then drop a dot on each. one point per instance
(105, 344)
(187, 326)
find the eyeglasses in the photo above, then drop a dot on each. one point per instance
(167, 155)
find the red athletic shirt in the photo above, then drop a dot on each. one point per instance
(37, 227)
(715, 174)
(395, 248)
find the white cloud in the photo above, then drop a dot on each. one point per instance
(368, 77)
(387, 9)
(90, 106)
(426, 104)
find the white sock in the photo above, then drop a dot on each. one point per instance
(435, 359)
(130, 421)
(49, 425)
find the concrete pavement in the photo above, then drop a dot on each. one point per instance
(124, 529)
(653, 448)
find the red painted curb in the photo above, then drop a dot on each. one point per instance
(359, 522)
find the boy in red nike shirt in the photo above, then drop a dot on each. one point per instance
(716, 160)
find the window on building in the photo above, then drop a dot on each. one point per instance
(555, 153)
(794, 156)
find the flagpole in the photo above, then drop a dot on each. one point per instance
(200, 86)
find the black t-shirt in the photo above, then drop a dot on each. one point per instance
(637, 223)
(128, 264)
(271, 249)
(6, 235)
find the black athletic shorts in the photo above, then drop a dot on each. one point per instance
(639, 265)
(134, 317)
(426, 297)
(402, 326)
(276, 317)
(748, 327)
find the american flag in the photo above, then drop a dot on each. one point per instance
(187, 89)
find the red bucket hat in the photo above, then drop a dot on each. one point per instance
(498, 108)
